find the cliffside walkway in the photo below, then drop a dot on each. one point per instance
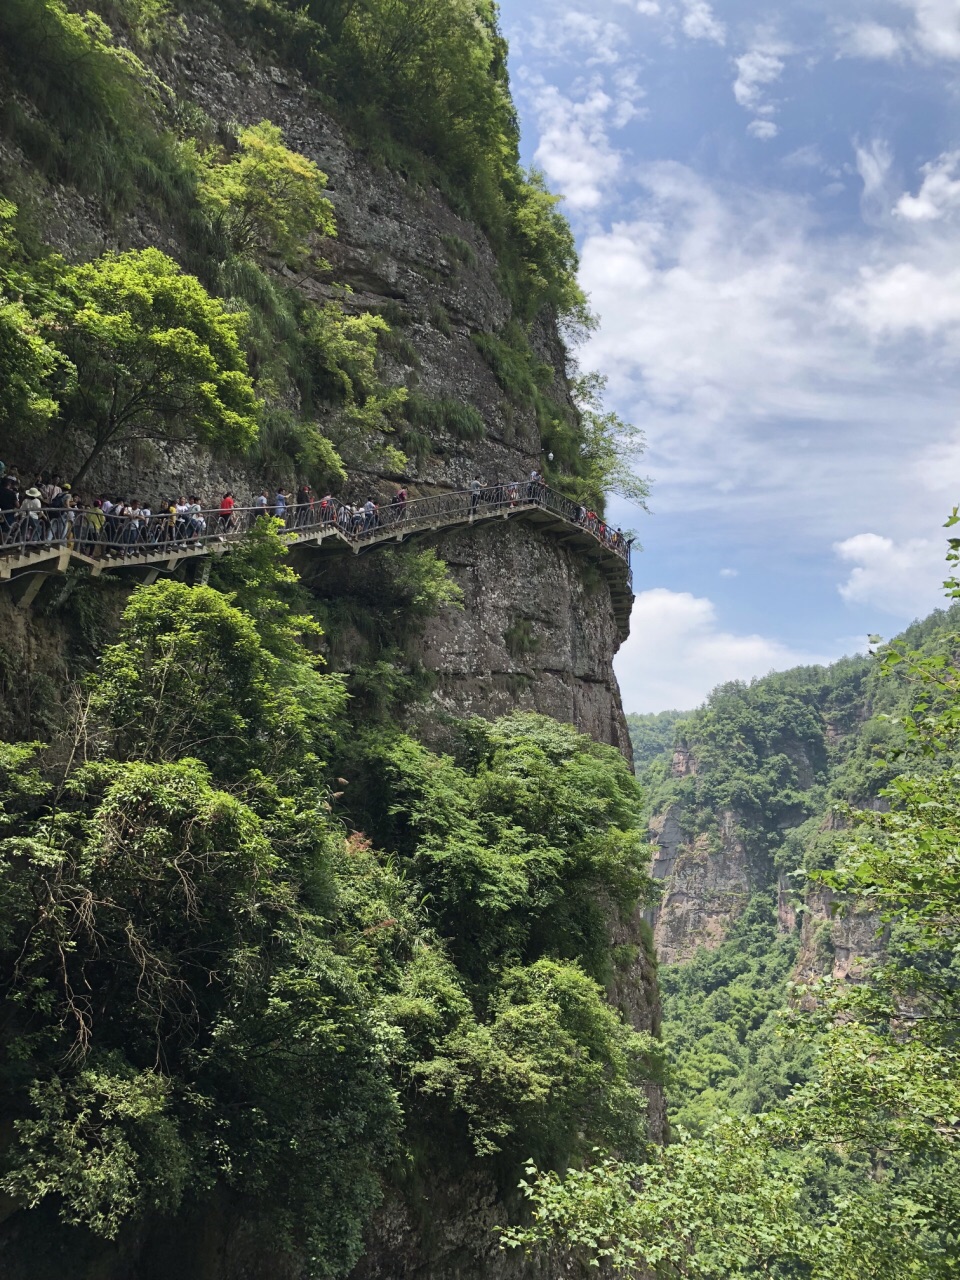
(54, 540)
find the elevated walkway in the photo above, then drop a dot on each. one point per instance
(30, 551)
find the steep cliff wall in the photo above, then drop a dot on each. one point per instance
(539, 630)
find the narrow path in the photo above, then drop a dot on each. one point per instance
(31, 550)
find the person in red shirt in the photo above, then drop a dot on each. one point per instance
(228, 521)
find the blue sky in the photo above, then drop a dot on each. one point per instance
(767, 203)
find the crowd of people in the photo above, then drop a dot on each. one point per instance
(49, 511)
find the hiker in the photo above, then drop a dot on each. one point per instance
(302, 505)
(280, 505)
(476, 488)
(31, 514)
(370, 515)
(196, 524)
(59, 519)
(93, 527)
(9, 501)
(228, 521)
(134, 514)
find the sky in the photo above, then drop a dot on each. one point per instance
(766, 201)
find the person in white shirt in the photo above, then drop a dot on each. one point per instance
(31, 508)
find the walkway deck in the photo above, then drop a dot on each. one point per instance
(30, 553)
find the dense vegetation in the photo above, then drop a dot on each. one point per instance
(815, 1130)
(256, 944)
(422, 85)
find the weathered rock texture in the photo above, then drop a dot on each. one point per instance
(706, 885)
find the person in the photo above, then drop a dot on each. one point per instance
(228, 521)
(148, 526)
(303, 505)
(131, 534)
(280, 505)
(9, 501)
(59, 519)
(533, 484)
(196, 524)
(31, 514)
(370, 515)
(93, 528)
(476, 486)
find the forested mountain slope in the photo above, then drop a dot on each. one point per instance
(745, 800)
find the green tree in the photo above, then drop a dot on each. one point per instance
(856, 1173)
(156, 357)
(267, 199)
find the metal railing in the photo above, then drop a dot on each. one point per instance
(129, 534)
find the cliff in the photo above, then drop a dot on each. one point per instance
(537, 630)
(400, 250)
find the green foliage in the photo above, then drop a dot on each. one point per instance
(267, 199)
(210, 986)
(155, 356)
(520, 844)
(446, 416)
(424, 84)
(605, 449)
(138, 1162)
(547, 252)
(461, 249)
(519, 638)
(852, 1171)
(552, 1041)
(93, 105)
(652, 735)
(722, 1026)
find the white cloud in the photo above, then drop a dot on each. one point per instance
(932, 32)
(938, 468)
(899, 578)
(936, 26)
(939, 192)
(700, 23)
(575, 151)
(762, 129)
(593, 40)
(729, 573)
(677, 652)
(756, 69)
(874, 161)
(782, 375)
(871, 40)
(906, 298)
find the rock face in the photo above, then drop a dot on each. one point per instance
(707, 884)
(538, 631)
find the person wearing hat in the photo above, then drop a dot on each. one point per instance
(31, 509)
